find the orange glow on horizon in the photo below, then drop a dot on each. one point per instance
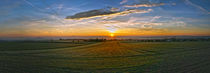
(104, 32)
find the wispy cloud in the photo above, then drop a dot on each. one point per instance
(132, 22)
(196, 6)
(32, 5)
(123, 1)
(155, 18)
(145, 5)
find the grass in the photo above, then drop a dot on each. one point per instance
(110, 57)
(15, 46)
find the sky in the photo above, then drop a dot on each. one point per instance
(31, 18)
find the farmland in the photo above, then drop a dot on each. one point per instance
(109, 56)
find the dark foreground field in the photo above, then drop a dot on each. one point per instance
(105, 57)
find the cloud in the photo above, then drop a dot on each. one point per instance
(112, 27)
(155, 18)
(32, 5)
(196, 6)
(123, 1)
(145, 5)
(91, 13)
(107, 13)
(132, 22)
(60, 6)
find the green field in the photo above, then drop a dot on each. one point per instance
(105, 57)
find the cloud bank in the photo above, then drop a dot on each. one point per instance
(106, 12)
(91, 13)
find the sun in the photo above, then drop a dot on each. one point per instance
(112, 35)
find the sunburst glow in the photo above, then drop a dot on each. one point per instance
(112, 35)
